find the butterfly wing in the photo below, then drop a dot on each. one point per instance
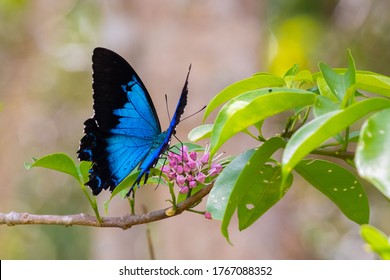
(125, 124)
(161, 144)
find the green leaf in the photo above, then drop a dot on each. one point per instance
(297, 79)
(333, 80)
(373, 82)
(235, 180)
(367, 81)
(218, 198)
(373, 153)
(338, 184)
(377, 241)
(253, 107)
(257, 81)
(324, 105)
(123, 187)
(313, 134)
(303, 77)
(342, 85)
(200, 132)
(325, 90)
(292, 71)
(264, 191)
(84, 170)
(59, 162)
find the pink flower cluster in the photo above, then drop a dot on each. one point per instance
(187, 169)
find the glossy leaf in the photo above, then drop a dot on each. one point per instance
(325, 90)
(324, 105)
(377, 241)
(342, 85)
(367, 81)
(253, 107)
(124, 186)
(304, 76)
(373, 82)
(373, 153)
(257, 81)
(264, 191)
(219, 196)
(59, 162)
(338, 184)
(200, 132)
(292, 71)
(300, 79)
(84, 170)
(235, 181)
(316, 132)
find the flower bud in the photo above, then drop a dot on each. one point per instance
(193, 155)
(179, 169)
(200, 177)
(205, 158)
(207, 215)
(192, 164)
(184, 190)
(192, 184)
(215, 169)
(180, 179)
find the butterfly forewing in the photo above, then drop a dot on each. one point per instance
(114, 81)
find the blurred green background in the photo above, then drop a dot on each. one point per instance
(45, 96)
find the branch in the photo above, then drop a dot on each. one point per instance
(124, 222)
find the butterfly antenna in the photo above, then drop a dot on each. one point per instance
(193, 114)
(181, 144)
(166, 106)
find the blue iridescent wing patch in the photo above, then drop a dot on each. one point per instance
(124, 131)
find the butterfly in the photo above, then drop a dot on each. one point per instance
(124, 131)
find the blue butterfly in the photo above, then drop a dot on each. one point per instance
(125, 131)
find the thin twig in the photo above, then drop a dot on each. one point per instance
(124, 222)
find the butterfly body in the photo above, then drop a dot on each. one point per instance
(125, 131)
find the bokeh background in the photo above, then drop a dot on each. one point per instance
(45, 96)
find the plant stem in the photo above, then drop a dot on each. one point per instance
(172, 192)
(337, 154)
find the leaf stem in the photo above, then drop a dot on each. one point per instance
(346, 140)
(92, 202)
(344, 155)
(196, 211)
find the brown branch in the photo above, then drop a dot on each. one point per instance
(124, 222)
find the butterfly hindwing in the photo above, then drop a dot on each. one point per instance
(125, 131)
